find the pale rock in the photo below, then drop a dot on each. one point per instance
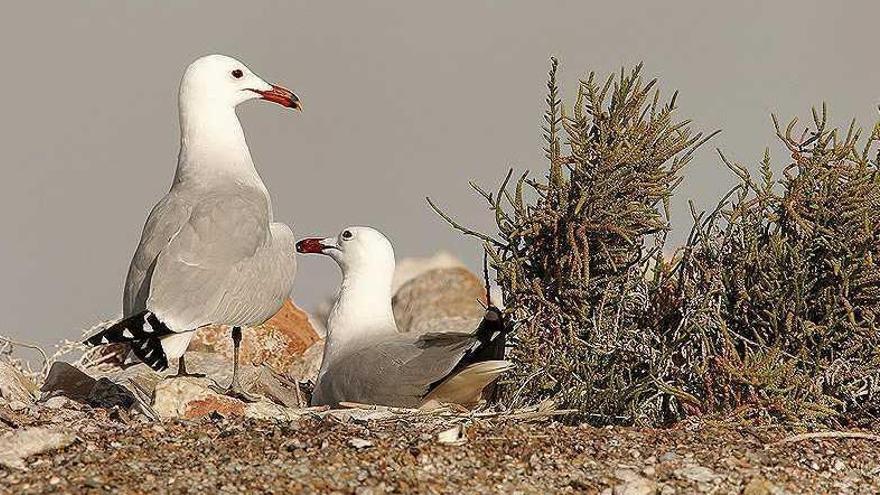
(457, 286)
(762, 486)
(436, 295)
(360, 443)
(16, 446)
(639, 486)
(174, 395)
(306, 366)
(271, 412)
(670, 456)
(14, 386)
(453, 436)
(698, 474)
(407, 269)
(633, 483)
(358, 415)
(277, 388)
(190, 398)
(57, 402)
(277, 343)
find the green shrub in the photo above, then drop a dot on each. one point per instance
(786, 276)
(769, 310)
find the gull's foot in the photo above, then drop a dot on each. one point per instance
(182, 371)
(236, 392)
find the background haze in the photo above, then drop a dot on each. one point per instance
(402, 100)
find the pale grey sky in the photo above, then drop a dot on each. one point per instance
(402, 100)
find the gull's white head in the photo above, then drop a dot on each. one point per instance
(224, 81)
(355, 250)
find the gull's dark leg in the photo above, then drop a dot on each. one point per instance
(181, 370)
(235, 389)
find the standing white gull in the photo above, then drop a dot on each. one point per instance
(367, 360)
(210, 253)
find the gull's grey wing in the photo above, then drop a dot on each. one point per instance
(165, 220)
(449, 324)
(398, 371)
(203, 274)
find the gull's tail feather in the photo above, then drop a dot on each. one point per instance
(143, 332)
(468, 385)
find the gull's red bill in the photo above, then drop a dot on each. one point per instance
(281, 96)
(310, 246)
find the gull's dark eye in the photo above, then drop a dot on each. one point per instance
(237, 73)
(347, 235)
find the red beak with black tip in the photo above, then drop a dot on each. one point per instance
(281, 96)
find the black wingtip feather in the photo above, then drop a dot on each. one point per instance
(492, 334)
(143, 333)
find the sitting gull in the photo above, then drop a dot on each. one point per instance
(210, 253)
(367, 360)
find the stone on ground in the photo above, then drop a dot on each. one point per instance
(16, 446)
(14, 386)
(438, 294)
(277, 343)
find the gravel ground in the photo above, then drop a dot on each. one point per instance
(112, 454)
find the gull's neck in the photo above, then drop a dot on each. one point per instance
(362, 311)
(212, 145)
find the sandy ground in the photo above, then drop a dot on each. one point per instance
(115, 454)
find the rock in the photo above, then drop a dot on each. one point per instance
(761, 486)
(409, 268)
(406, 269)
(276, 343)
(275, 387)
(69, 381)
(636, 486)
(18, 445)
(190, 398)
(213, 366)
(306, 366)
(438, 294)
(453, 436)
(371, 490)
(217, 368)
(358, 415)
(670, 456)
(268, 411)
(633, 483)
(57, 402)
(14, 386)
(698, 474)
(360, 443)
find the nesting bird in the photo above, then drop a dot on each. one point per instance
(210, 252)
(367, 360)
